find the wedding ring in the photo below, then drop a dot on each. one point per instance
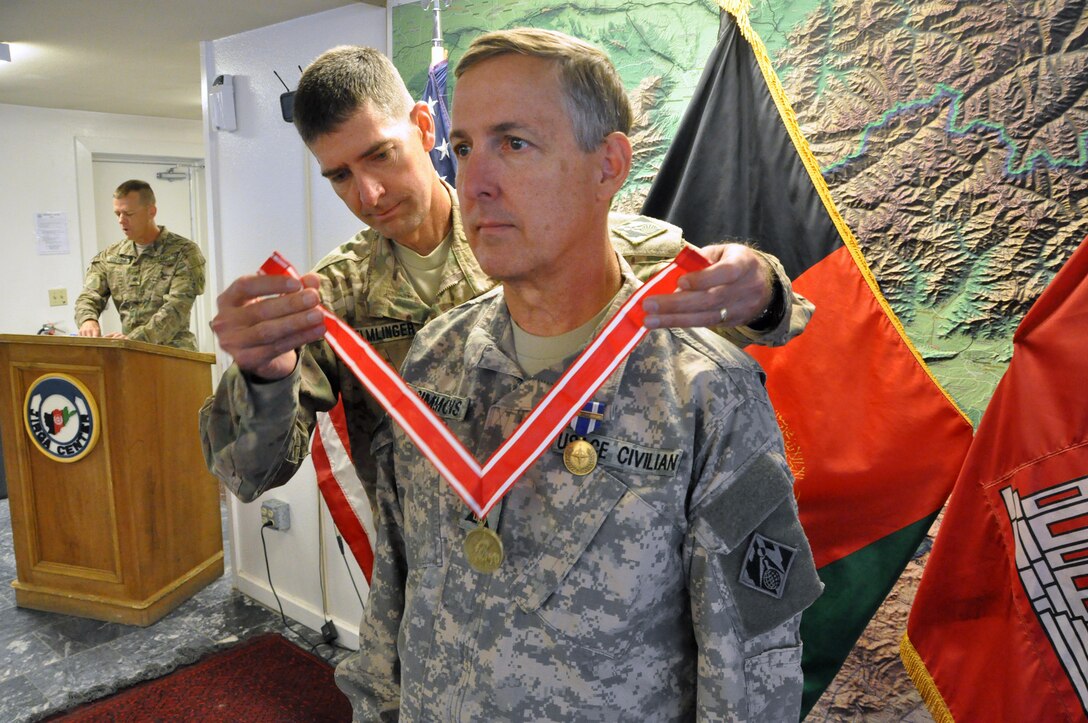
(723, 314)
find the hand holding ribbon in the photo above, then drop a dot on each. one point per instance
(482, 487)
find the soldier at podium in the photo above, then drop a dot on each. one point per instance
(153, 275)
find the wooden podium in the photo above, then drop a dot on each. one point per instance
(114, 515)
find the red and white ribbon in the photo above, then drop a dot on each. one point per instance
(341, 488)
(483, 486)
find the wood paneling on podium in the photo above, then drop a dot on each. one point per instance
(125, 526)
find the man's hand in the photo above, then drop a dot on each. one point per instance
(262, 320)
(737, 280)
(116, 335)
(90, 328)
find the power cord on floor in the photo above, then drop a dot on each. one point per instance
(328, 630)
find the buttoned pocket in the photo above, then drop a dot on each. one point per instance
(611, 569)
(763, 677)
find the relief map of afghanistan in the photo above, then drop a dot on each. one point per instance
(953, 137)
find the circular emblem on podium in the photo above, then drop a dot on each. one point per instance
(61, 417)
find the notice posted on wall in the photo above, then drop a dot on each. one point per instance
(51, 230)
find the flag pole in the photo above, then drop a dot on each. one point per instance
(435, 95)
(438, 51)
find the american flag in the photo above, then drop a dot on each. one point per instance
(435, 97)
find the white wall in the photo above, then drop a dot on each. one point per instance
(266, 194)
(38, 173)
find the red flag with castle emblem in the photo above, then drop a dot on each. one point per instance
(999, 628)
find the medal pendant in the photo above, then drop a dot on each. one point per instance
(580, 457)
(483, 548)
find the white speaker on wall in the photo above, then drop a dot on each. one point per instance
(221, 103)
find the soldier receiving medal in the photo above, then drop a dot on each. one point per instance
(665, 585)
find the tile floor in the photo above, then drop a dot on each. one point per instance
(51, 662)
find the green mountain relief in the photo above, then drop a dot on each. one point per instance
(953, 136)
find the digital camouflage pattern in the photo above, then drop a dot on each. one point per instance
(153, 291)
(635, 592)
(255, 436)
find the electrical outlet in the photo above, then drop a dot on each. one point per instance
(278, 513)
(58, 297)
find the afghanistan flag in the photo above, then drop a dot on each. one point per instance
(873, 440)
(999, 628)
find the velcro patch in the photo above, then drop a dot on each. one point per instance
(766, 565)
(626, 456)
(446, 406)
(639, 230)
(388, 331)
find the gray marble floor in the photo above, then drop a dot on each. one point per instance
(51, 662)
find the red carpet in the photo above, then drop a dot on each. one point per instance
(266, 678)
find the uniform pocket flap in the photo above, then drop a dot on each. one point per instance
(763, 676)
(600, 494)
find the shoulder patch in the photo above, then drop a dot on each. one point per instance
(638, 229)
(767, 565)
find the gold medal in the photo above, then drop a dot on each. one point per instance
(483, 548)
(580, 457)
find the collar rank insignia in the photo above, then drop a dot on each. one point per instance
(766, 565)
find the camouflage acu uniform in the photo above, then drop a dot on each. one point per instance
(255, 436)
(667, 584)
(153, 291)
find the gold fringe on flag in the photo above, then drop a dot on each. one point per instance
(739, 10)
(923, 681)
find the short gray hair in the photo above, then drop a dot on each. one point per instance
(593, 93)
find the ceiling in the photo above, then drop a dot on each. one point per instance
(139, 57)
